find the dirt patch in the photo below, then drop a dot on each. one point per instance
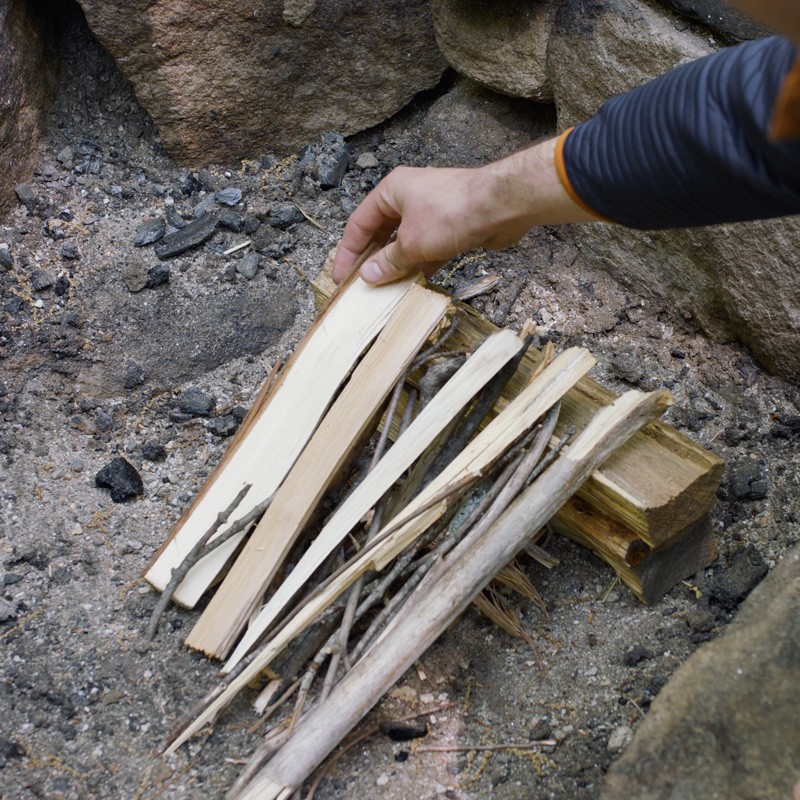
(92, 371)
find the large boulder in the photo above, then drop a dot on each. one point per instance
(501, 45)
(27, 78)
(726, 725)
(225, 80)
(736, 281)
(470, 125)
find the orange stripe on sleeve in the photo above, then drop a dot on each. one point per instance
(785, 122)
(561, 170)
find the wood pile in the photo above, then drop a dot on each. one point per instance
(492, 440)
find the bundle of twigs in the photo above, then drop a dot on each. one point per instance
(427, 548)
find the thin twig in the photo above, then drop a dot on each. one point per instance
(311, 219)
(482, 406)
(436, 347)
(180, 572)
(270, 710)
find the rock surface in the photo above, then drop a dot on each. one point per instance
(224, 81)
(27, 76)
(501, 45)
(726, 723)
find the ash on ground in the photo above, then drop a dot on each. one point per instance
(111, 354)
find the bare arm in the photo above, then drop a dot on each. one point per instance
(438, 213)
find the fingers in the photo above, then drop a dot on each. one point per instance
(387, 265)
(373, 221)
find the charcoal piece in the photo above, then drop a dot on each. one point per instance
(157, 275)
(134, 376)
(6, 259)
(69, 251)
(251, 223)
(196, 233)
(41, 280)
(404, 731)
(174, 218)
(149, 232)
(636, 655)
(746, 569)
(122, 478)
(229, 196)
(62, 286)
(282, 215)
(332, 161)
(223, 426)
(153, 452)
(231, 220)
(196, 403)
(189, 183)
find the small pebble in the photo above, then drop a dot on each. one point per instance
(41, 280)
(248, 266)
(619, 739)
(367, 161)
(69, 251)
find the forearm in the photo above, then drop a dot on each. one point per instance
(525, 190)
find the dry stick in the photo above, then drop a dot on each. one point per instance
(375, 526)
(270, 710)
(446, 592)
(346, 748)
(192, 557)
(271, 743)
(434, 349)
(482, 406)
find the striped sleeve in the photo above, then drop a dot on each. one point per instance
(691, 147)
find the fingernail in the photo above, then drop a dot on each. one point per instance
(371, 272)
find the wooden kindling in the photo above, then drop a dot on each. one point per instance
(444, 593)
(330, 447)
(281, 427)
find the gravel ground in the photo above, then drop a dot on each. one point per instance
(100, 342)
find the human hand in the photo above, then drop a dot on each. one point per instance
(435, 214)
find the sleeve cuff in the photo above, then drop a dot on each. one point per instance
(561, 171)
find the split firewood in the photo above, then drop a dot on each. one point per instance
(477, 370)
(316, 468)
(656, 485)
(479, 454)
(285, 423)
(444, 593)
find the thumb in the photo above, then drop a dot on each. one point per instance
(387, 265)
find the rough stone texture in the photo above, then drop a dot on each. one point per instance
(228, 80)
(27, 74)
(471, 125)
(737, 281)
(720, 17)
(502, 45)
(726, 724)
